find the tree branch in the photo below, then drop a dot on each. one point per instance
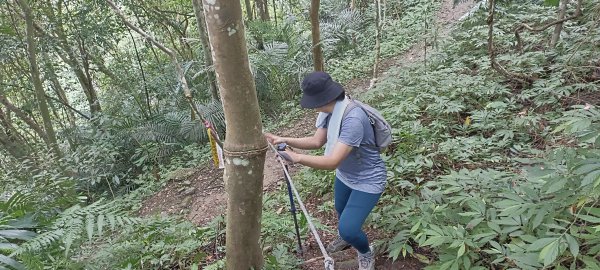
(184, 84)
(523, 26)
(492, 53)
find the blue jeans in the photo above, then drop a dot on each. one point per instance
(353, 207)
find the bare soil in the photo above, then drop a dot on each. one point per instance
(200, 196)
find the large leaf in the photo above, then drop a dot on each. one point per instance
(17, 234)
(549, 253)
(553, 3)
(573, 245)
(10, 262)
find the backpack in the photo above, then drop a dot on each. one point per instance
(381, 128)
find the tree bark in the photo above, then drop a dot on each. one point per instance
(316, 36)
(492, 51)
(249, 10)
(60, 92)
(35, 77)
(523, 26)
(562, 9)
(263, 9)
(178, 68)
(10, 140)
(25, 118)
(377, 43)
(204, 40)
(68, 56)
(244, 146)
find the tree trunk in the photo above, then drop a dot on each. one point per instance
(68, 56)
(377, 43)
(10, 139)
(204, 40)
(244, 146)
(316, 36)
(263, 9)
(35, 77)
(249, 10)
(60, 92)
(562, 9)
(25, 118)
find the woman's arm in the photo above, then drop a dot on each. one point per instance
(330, 162)
(315, 141)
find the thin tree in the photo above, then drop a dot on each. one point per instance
(316, 36)
(210, 73)
(559, 21)
(249, 10)
(562, 10)
(263, 10)
(36, 79)
(377, 49)
(244, 146)
(179, 69)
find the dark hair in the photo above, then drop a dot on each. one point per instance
(341, 96)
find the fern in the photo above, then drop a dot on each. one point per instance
(73, 222)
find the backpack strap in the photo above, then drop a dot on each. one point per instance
(349, 107)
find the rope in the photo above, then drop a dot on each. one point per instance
(327, 261)
(251, 152)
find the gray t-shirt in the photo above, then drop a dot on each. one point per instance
(363, 169)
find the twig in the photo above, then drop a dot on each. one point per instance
(523, 26)
(313, 260)
(522, 78)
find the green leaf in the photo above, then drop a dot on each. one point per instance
(590, 263)
(11, 262)
(556, 186)
(473, 223)
(539, 171)
(549, 253)
(17, 234)
(540, 243)
(461, 250)
(588, 218)
(539, 217)
(100, 224)
(415, 227)
(90, 226)
(552, 3)
(590, 178)
(8, 246)
(435, 241)
(586, 168)
(573, 244)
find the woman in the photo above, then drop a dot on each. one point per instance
(350, 149)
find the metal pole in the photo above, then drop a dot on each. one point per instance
(293, 208)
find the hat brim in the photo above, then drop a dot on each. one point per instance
(333, 90)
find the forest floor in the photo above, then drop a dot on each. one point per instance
(200, 196)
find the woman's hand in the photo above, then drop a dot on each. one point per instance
(289, 156)
(274, 139)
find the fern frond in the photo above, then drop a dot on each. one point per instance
(73, 222)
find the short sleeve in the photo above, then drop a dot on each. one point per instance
(352, 131)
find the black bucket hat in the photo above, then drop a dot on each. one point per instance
(318, 89)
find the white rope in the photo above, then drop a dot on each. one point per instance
(327, 261)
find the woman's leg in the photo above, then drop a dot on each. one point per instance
(341, 193)
(357, 208)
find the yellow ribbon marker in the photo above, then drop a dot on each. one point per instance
(213, 147)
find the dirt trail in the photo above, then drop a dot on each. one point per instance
(200, 196)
